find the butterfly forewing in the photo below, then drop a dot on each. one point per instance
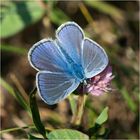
(70, 38)
(45, 55)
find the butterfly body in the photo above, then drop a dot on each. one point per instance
(74, 68)
(65, 62)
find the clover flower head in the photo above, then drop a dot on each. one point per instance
(101, 83)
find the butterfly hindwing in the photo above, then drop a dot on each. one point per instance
(94, 58)
(54, 87)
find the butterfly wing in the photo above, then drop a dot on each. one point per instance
(45, 55)
(54, 87)
(54, 81)
(94, 58)
(69, 38)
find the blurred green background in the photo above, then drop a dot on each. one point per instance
(113, 24)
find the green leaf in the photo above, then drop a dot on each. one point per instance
(13, 49)
(73, 104)
(106, 133)
(16, 129)
(31, 137)
(91, 115)
(17, 95)
(106, 8)
(58, 16)
(16, 15)
(103, 116)
(67, 134)
(94, 130)
(131, 104)
(35, 114)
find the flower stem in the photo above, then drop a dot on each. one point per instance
(36, 115)
(76, 120)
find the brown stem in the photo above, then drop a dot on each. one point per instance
(76, 120)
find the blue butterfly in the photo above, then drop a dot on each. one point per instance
(65, 62)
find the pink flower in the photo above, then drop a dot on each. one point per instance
(100, 83)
